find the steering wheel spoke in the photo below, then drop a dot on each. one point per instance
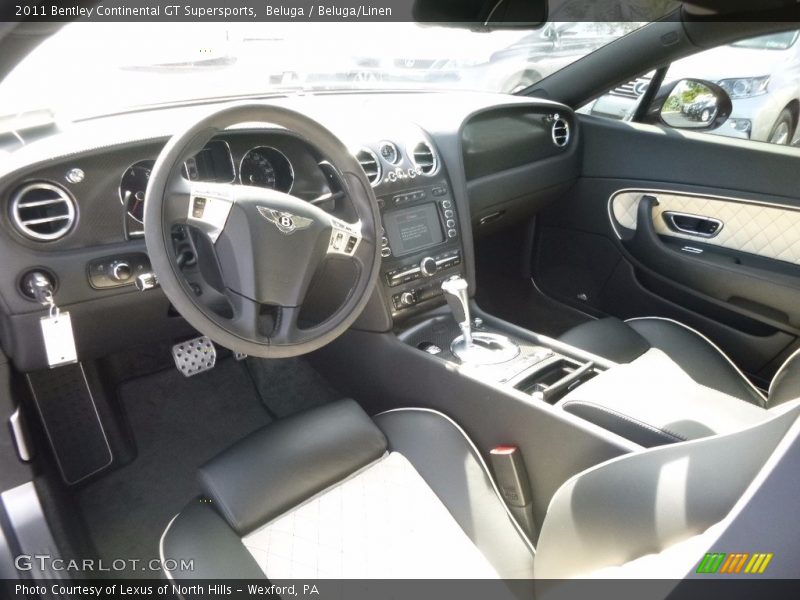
(345, 237)
(286, 330)
(175, 206)
(208, 207)
(247, 317)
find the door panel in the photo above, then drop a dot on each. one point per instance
(745, 226)
(757, 286)
(740, 285)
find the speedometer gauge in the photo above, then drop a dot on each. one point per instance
(257, 170)
(133, 186)
(268, 168)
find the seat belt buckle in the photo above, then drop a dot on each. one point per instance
(511, 475)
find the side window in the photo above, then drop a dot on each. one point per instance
(760, 74)
(621, 102)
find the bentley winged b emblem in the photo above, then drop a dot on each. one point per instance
(286, 222)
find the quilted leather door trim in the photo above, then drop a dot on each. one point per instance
(764, 229)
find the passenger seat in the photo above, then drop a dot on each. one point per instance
(695, 354)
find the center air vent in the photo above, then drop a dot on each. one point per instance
(369, 162)
(560, 131)
(42, 211)
(424, 158)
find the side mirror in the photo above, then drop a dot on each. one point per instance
(690, 104)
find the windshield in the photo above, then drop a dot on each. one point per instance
(775, 41)
(89, 69)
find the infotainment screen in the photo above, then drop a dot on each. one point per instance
(413, 229)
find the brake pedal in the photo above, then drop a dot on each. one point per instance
(194, 356)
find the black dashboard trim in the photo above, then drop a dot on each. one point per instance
(437, 117)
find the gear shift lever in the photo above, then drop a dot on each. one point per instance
(481, 347)
(456, 293)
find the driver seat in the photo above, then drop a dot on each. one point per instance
(332, 493)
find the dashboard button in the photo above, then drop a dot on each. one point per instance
(451, 233)
(447, 204)
(448, 214)
(451, 223)
(121, 271)
(116, 271)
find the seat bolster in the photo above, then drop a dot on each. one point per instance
(643, 503)
(785, 385)
(285, 463)
(610, 338)
(444, 456)
(199, 534)
(700, 358)
(652, 402)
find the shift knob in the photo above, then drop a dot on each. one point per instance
(456, 292)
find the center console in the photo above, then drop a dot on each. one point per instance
(420, 246)
(422, 265)
(539, 368)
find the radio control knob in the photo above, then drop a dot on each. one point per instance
(121, 271)
(407, 298)
(427, 266)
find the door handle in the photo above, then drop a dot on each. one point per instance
(697, 225)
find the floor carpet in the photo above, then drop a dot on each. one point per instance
(178, 424)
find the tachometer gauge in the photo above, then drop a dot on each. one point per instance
(268, 168)
(133, 186)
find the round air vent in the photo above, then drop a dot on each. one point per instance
(369, 162)
(42, 211)
(424, 157)
(560, 131)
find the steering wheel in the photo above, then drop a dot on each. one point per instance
(263, 246)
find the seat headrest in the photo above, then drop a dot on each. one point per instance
(785, 385)
(285, 463)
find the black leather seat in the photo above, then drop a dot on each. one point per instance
(695, 354)
(435, 484)
(333, 493)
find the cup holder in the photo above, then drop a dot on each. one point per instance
(555, 380)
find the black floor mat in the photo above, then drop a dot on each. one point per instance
(506, 290)
(70, 418)
(289, 385)
(518, 301)
(178, 424)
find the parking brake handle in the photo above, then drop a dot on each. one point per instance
(457, 295)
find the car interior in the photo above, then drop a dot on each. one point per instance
(404, 334)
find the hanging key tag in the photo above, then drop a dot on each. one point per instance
(59, 342)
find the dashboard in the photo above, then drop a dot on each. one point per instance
(439, 167)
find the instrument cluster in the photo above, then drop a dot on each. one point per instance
(261, 166)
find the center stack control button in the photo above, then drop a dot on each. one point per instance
(428, 266)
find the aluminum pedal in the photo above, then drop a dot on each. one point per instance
(194, 356)
(239, 355)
